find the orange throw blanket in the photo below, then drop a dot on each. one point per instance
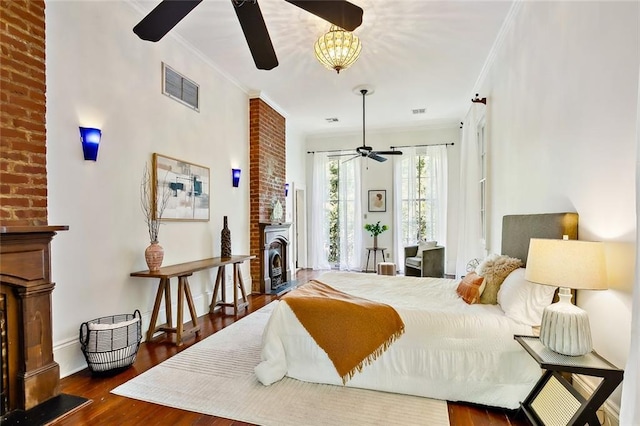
(353, 331)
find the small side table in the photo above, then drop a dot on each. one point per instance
(375, 257)
(553, 401)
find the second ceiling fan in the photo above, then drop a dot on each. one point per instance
(364, 150)
(168, 13)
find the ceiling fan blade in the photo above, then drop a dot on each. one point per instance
(256, 34)
(387, 152)
(341, 155)
(375, 156)
(349, 159)
(163, 18)
(339, 12)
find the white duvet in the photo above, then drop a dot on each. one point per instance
(450, 350)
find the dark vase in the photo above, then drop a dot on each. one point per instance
(225, 240)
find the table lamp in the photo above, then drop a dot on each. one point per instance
(566, 264)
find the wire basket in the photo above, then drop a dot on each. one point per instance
(110, 344)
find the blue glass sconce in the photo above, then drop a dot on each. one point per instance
(286, 189)
(90, 139)
(235, 176)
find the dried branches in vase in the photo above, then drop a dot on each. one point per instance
(154, 254)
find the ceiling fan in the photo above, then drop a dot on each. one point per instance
(168, 13)
(364, 150)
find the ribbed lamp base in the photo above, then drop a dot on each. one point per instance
(565, 327)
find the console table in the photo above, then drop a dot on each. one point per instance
(182, 271)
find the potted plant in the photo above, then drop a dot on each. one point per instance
(154, 253)
(375, 230)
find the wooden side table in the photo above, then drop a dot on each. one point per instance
(182, 271)
(375, 257)
(553, 401)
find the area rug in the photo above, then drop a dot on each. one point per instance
(216, 377)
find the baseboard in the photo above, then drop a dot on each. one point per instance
(611, 411)
(68, 353)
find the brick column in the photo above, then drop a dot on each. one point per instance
(267, 155)
(23, 152)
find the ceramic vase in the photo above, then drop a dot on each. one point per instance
(154, 255)
(225, 240)
(375, 241)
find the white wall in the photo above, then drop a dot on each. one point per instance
(296, 177)
(100, 74)
(561, 121)
(379, 176)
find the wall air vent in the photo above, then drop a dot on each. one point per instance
(180, 88)
(419, 111)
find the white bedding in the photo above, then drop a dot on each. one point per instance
(450, 350)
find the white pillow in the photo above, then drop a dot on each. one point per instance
(523, 300)
(422, 246)
(425, 245)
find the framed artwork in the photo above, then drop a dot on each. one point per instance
(378, 200)
(183, 186)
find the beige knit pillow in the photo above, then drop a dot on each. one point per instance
(495, 269)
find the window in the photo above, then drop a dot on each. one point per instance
(482, 158)
(423, 201)
(333, 204)
(336, 229)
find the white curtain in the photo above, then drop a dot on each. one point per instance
(469, 245)
(405, 219)
(319, 236)
(350, 213)
(630, 405)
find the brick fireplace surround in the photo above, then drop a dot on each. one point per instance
(267, 154)
(23, 193)
(30, 376)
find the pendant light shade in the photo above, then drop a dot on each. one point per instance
(337, 49)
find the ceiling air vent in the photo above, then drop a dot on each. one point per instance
(419, 111)
(180, 88)
(331, 120)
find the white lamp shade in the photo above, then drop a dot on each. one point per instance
(567, 263)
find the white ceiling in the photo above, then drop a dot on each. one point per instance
(415, 54)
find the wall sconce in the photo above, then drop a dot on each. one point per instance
(235, 176)
(90, 139)
(286, 189)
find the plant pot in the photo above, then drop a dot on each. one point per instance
(154, 255)
(375, 241)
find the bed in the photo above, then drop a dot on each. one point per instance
(449, 350)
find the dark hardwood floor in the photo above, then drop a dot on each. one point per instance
(109, 409)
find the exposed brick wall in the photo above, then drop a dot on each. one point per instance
(267, 164)
(23, 159)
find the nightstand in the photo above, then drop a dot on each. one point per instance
(553, 401)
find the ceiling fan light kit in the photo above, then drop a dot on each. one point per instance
(337, 49)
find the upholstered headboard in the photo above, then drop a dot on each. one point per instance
(518, 229)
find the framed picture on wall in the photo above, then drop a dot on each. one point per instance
(377, 200)
(188, 187)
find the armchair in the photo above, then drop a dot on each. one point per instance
(427, 262)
